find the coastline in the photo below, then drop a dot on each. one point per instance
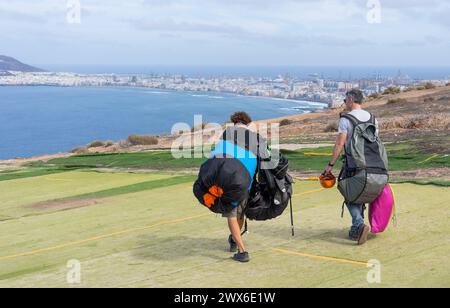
(165, 135)
(170, 90)
(311, 126)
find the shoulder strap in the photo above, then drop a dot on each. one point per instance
(355, 120)
(373, 119)
(351, 118)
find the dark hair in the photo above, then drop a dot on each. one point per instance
(241, 118)
(358, 96)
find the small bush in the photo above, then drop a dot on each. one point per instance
(428, 99)
(397, 101)
(391, 90)
(109, 143)
(429, 86)
(142, 140)
(285, 122)
(332, 127)
(79, 150)
(447, 84)
(96, 144)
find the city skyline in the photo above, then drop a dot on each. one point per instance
(245, 32)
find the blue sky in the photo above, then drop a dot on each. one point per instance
(227, 32)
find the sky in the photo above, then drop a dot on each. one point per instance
(227, 32)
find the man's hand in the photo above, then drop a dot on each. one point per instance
(328, 170)
(340, 143)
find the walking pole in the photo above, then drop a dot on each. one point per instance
(245, 228)
(292, 220)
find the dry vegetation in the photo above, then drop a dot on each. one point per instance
(419, 114)
(142, 140)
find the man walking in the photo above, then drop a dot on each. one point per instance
(353, 102)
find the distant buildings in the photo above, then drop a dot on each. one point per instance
(313, 88)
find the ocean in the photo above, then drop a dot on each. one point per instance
(46, 120)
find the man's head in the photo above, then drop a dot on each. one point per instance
(354, 98)
(241, 118)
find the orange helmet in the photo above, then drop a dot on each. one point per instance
(327, 180)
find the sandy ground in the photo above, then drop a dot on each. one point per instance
(64, 205)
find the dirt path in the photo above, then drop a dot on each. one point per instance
(65, 205)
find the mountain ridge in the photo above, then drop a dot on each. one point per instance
(11, 64)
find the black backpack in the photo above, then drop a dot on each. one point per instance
(271, 194)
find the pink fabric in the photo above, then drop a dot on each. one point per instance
(381, 210)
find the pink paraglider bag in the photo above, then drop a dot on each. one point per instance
(382, 210)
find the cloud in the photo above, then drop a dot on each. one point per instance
(230, 30)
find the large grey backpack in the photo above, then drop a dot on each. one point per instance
(365, 171)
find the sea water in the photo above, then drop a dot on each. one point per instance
(46, 120)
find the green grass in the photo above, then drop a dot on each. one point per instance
(19, 195)
(186, 246)
(149, 160)
(14, 175)
(133, 188)
(401, 158)
(299, 161)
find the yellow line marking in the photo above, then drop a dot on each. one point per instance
(100, 237)
(321, 258)
(429, 158)
(312, 179)
(133, 230)
(58, 180)
(315, 179)
(308, 192)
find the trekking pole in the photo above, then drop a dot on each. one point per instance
(292, 219)
(245, 228)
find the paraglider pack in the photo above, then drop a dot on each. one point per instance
(365, 172)
(233, 174)
(225, 180)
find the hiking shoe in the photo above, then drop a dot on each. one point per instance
(243, 257)
(363, 235)
(233, 245)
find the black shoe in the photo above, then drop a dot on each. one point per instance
(243, 257)
(233, 245)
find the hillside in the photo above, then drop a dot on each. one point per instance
(11, 64)
(423, 116)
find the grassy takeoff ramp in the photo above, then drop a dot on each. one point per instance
(147, 230)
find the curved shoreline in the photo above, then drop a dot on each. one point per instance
(309, 107)
(173, 91)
